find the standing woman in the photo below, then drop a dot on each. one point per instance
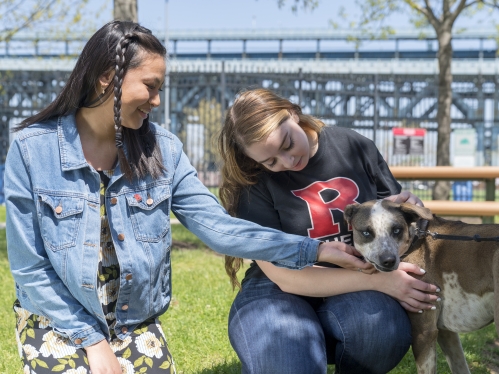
(286, 170)
(90, 184)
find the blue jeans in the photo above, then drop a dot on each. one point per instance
(274, 332)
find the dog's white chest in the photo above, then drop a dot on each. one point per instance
(462, 311)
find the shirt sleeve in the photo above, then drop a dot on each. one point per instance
(386, 184)
(199, 211)
(30, 264)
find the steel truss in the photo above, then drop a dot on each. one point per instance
(370, 103)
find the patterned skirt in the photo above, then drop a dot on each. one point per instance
(43, 351)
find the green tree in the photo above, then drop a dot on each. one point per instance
(441, 15)
(17, 15)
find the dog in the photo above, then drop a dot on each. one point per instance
(461, 259)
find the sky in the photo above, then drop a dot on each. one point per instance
(247, 14)
(266, 14)
(233, 14)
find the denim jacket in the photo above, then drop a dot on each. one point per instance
(53, 231)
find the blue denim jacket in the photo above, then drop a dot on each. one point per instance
(53, 231)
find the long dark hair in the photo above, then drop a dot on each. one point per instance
(115, 46)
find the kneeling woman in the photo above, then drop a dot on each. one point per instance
(286, 170)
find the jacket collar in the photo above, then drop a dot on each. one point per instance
(71, 151)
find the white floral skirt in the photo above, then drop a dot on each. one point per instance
(43, 351)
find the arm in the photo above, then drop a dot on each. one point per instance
(29, 262)
(199, 211)
(323, 282)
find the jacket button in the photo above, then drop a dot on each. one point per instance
(77, 341)
(124, 330)
(114, 200)
(121, 237)
(124, 307)
(149, 201)
(129, 277)
(58, 210)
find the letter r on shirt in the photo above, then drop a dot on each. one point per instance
(321, 215)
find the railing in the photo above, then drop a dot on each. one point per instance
(486, 209)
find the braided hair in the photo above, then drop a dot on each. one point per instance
(115, 46)
(119, 74)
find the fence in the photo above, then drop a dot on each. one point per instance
(464, 204)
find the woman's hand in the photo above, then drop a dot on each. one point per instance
(102, 359)
(343, 255)
(413, 294)
(405, 197)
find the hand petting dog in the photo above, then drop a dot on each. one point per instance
(405, 197)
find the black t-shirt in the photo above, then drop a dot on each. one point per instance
(347, 168)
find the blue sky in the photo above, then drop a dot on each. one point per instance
(265, 14)
(247, 14)
(202, 14)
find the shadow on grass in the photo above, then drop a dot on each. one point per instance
(233, 367)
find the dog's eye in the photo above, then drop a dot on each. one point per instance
(366, 233)
(396, 230)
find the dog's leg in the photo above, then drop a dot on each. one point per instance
(424, 341)
(451, 346)
(424, 348)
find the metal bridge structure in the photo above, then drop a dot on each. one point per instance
(370, 90)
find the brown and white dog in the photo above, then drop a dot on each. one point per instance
(467, 272)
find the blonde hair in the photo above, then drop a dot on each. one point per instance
(254, 115)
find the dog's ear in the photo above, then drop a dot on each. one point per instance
(350, 211)
(415, 212)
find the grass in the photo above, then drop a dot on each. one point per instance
(2, 213)
(196, 323)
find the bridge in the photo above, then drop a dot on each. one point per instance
(372, 91)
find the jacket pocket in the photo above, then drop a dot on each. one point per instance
(149, 212)
(60, 218)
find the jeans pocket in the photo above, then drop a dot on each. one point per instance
(149, 212)
(60, 217)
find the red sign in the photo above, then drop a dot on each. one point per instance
(408, 141)
(408, 132)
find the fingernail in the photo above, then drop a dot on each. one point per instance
(438, 289)
(439, 299)
(422, 271)
(433, 307)
(420, 311)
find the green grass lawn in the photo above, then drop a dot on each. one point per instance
(2, 213)
(196, 323)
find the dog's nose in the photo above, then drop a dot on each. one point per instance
(388, 260)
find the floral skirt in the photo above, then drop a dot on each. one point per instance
(43, 351)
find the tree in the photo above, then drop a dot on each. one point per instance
(125, 10)
(441, 15)
(17, 15)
